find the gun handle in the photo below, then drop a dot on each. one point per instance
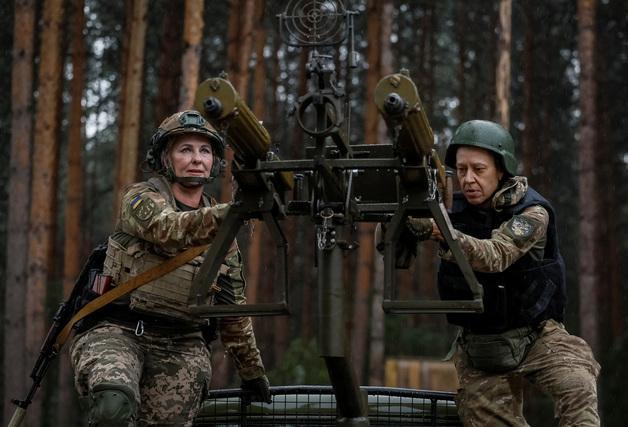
(17, 419)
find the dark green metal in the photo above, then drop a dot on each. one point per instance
(259, 202)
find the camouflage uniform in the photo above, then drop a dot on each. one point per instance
(165, 362)
(557, 362)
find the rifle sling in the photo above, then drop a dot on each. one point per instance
(126, 287)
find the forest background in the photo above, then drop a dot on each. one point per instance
(86, 83)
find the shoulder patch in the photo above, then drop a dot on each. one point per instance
(521, 226)
(142, 208)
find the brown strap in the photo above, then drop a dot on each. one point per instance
(126, 287)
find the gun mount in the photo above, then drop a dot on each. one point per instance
(422, 184)
(332, 184)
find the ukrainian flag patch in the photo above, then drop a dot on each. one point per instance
(136, 201)
(142, 208)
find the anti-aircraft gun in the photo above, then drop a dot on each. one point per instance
(336, 184)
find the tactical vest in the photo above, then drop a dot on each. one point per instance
(166, 296)
(526, 293)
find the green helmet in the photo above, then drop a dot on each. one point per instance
(484, 134)
(184, 122)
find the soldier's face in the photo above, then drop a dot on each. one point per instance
(477, 174)
(191, 156)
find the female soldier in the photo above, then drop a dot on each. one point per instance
(145, 359)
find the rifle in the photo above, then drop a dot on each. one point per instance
(50, 348)
(82, 302)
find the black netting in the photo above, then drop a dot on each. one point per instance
(316, 406)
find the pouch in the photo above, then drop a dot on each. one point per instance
(498, 353)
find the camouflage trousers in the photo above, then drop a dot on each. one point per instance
(558, 363)
(168, 373)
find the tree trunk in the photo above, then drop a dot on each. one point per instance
(502, 78)
(169, 62)
(44, 187)
(461, 35)
(128, 149)
(364, 267)
(490, 82)
(259, 86)
(239, 49)
(15, 374)
(376, 338)
(74, 200)
(192, 36)
(371, 116)
(245, 40)
(545, 116)
(432, 29)
(126, 42)
(427, 254)
(589, 212)
(233, 33)
(609, 235)
(385, 59)
(233, 44)
(529, 135)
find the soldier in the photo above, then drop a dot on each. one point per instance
(508, 233)
(145, 359)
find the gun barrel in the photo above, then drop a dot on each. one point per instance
(213, 107)
(218, 100)
(397, 99)
(394, 104)
(220, 103)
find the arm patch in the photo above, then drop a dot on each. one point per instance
(522, 228)
(142, 207)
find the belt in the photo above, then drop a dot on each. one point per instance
(124, 316)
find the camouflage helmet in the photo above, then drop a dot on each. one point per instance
(488, 135)
(184, 122)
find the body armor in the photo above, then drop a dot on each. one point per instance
(166, 296)
(526, 293)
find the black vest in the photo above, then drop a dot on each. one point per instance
(526, 293)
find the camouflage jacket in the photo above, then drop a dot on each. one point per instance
(521, 234)
(149, 214)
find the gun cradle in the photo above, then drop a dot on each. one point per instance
(336, 188)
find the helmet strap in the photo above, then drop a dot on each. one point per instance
(192, 181)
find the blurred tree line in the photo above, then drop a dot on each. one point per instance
(90, 80)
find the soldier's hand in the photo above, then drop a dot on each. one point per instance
(422, 228)
(436, 233)
(256, 390)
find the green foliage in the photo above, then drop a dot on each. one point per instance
(301, 364)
